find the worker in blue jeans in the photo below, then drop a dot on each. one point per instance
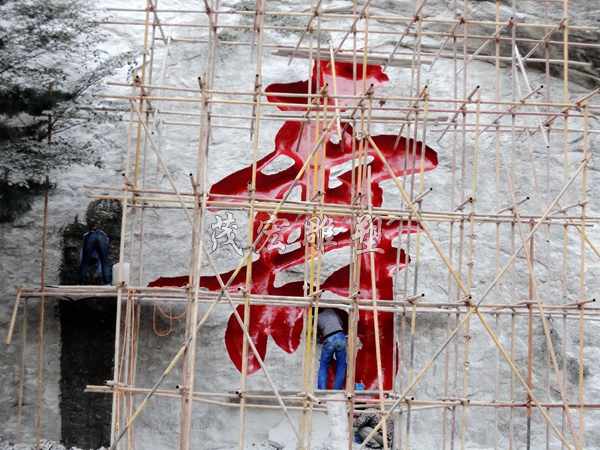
(334, 341)
(97, 241)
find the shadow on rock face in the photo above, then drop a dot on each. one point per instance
(87, 335)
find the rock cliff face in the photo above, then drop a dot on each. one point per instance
(166, 249)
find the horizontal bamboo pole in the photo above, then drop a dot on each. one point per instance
(146, 294)
(432, 101)
(366, 402)
(346, 15)
(468, 126)
(372, 31)
(385, 215)
(447, 35)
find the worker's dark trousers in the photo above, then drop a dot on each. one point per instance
(95, 240)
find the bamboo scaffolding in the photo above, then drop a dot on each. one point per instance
(293, 397)
(252, 188)
(509, 360)
(314, 13)
(180, 295)
(541, 308)
(224, 285)
(459, 120)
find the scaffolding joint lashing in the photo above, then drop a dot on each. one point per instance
(573, 205)
(414, 298)
(423, 195)
(580, 304)
(183, 390)
(563, 23)
(511, 207)
(466, 299)
(463, 204)
(359, 196)
(396, 396)
(317, 293)
(127, 181)
(462, 400)
(115, 385)
(312, 398)
(317, 194)
(193, 183)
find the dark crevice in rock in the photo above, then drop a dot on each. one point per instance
(87, 336)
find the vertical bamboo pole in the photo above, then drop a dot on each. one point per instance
(446, 384)
(315, 266)
(414, 87)
(465, 59)
(454, 349)
(512, 227)
(548, 245)
(407, 265)
(255, 145)
(581, 373)
(199, 221)
(565, 176)
(310, 347)
(582, 273)
(398, 352)
(470, 268)
(187, 332)
(40, 388)
(142, 80)
(512, 380)
(353, 315)
(313, 359)
(135, 218)
(191, 362)
(376, 315)
(543, 317)
(123, 375)
(413, 319)
(190, 316)
(496, 383)
(21, 374)
(354, 262)
(115, 424)
(497, 207)
(549, 399)
(564, 348)
(353, 285)
(402, 368)
(530, 342)
(131, 363)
